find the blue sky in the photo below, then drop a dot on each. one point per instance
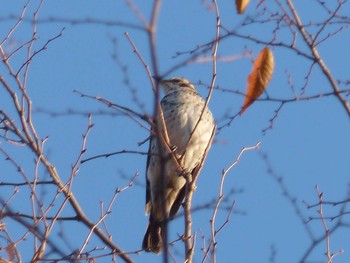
(307, 146)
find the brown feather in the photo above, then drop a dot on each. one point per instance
(152, 242)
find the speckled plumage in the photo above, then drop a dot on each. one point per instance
(182, 107)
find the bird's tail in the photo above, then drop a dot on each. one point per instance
(152, 242)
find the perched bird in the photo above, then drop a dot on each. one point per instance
(188, 125)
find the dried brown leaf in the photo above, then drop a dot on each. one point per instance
(241, 5)
(259, 77)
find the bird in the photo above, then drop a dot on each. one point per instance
(186, 127)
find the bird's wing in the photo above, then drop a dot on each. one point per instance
(178, 202)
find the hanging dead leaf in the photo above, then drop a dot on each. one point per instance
(241, 5)
(259, 77)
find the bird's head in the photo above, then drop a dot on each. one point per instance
(173, 84)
